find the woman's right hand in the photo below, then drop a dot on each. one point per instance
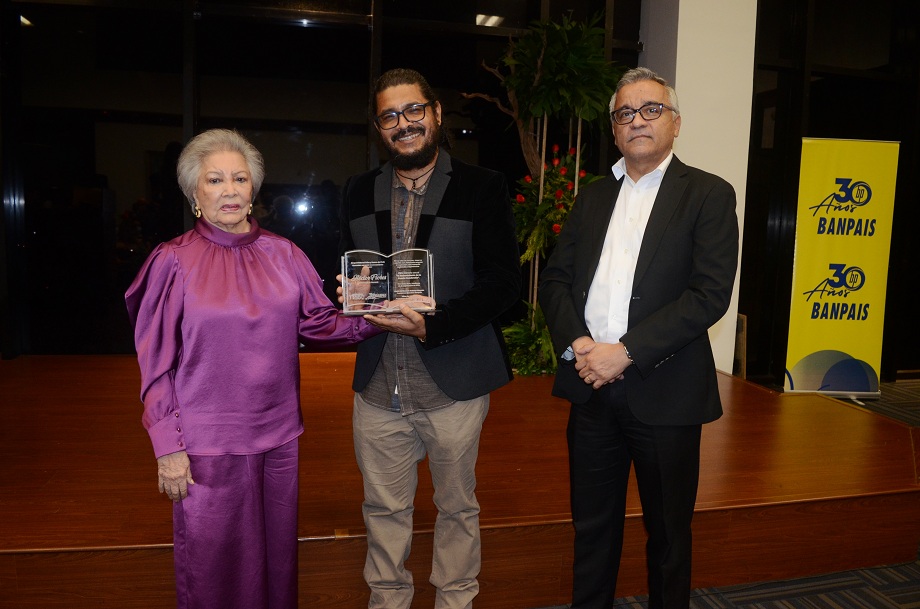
(357, 290)
(175, 475)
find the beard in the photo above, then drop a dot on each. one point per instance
(419, 158)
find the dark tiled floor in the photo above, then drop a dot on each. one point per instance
(890, 587)
(899, 400)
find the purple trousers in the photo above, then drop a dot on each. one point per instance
(235, 534)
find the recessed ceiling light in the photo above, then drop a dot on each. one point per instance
(489, 20)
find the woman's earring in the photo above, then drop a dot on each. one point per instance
(250, 209)
(197, 211)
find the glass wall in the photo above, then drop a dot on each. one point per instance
(99, 97)
(818, 66)
(101, 101)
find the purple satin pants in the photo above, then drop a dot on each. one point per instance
(235, 534)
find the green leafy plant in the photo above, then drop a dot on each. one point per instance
(540, 213)
(529, 344)
(554, 70)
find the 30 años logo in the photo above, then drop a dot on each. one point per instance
(844, 280)
(849, 197)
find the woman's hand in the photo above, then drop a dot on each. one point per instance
(358, 289)
(175, 475)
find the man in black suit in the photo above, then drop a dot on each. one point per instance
(423, 388)
(644, 265)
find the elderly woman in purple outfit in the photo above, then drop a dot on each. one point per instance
(219, 314)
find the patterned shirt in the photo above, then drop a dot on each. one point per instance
(401, 382)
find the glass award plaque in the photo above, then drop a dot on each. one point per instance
(372, 281)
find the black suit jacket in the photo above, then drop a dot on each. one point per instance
(683, 285)
(467, 224)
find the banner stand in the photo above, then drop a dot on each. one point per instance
(840, 268)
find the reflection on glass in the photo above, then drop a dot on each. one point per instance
(308, 216)
(103, 116)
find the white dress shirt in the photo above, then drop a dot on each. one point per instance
(607, 308)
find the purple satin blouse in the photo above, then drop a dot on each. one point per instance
(218, 319)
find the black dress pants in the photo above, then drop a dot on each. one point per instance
(604, 440)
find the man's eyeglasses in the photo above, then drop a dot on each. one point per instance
(649, 112)
(413, 114)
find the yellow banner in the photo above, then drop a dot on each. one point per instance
(840, 271)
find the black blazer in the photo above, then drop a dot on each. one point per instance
(467, 224)
(683, 284)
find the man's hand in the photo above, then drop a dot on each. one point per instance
(416, 301)
(175, 475)
(582, 346)
(407, 321)
(599, 363)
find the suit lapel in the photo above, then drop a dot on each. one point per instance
(383, 185)
(598, 221)
(442, 176)
(598, 210)
(670, 193)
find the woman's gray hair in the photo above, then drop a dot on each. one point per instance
(638, 75)
(203, 145)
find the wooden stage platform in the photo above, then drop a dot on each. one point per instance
(792, 485)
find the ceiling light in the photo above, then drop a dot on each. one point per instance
(489, 20)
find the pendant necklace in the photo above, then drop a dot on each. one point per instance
(414, 180)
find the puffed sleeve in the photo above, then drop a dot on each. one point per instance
(155, 305)
(322, 325)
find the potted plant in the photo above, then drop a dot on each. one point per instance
(555, 70)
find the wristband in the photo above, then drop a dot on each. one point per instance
(626, 351)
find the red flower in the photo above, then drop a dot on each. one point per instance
(570, 186)
(563, 170)
(528, 179)
(555, 148)
(557, 228)
(572, 151)
(582, 173)
(555, 162)
(560, 205)
(559, 194)
(520, 198)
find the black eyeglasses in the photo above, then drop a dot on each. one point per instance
(649, 112)
(413, 114)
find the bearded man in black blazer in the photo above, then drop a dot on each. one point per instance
(644, 265)
(422, 389)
